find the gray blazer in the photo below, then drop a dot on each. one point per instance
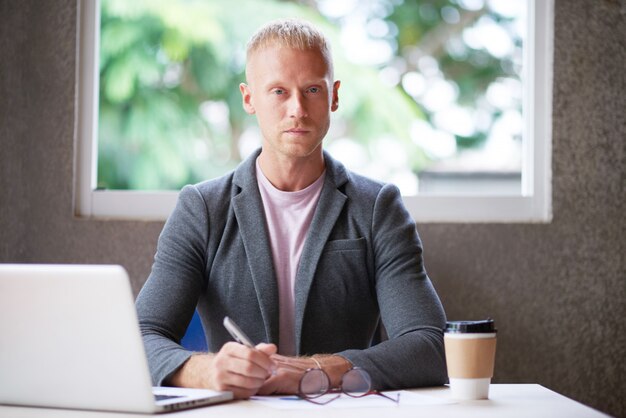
(361, 264)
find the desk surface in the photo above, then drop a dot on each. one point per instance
(526, 400)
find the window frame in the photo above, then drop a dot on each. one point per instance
(534, 204)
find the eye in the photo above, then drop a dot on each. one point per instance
(278, 92)
(314, 89)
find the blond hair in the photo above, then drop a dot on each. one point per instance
(291, 33)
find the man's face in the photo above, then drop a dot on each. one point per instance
(292, 94)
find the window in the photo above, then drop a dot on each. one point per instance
(475, 148)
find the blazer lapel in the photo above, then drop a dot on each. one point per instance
(328, 209)
(248, 208)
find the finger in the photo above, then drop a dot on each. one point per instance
(226, 375)
(293, 363)
(282, 365)
(245, 361)
(268, 349)
(284, 382)
(280, 357)
(260, 354)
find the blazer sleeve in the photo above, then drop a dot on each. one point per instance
(167, 301)
(410, 309)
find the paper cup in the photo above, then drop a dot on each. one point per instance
(470, 358)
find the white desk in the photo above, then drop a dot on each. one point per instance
(505, 401)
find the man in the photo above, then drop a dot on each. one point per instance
(304, 255)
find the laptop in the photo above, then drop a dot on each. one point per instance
(69, 338)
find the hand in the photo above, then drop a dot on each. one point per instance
(287, 377)
(235, 367)
(240, 369)
(290, 370)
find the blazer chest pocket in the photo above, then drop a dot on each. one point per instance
(358, 244)
(342, 276)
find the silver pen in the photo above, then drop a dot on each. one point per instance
(237, 333)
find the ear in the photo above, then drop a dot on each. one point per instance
(246, 96)
(334, 104)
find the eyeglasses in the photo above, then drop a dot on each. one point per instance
(356, 383)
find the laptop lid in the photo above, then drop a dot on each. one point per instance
(70, 339)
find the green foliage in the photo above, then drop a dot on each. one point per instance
(162, 62)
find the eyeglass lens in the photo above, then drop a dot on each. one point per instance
(314, 383)
(356, 382)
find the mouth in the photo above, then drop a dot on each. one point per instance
(297, 131)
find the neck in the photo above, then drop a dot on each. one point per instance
(292, 174)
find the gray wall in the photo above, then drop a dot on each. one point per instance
(556, 290)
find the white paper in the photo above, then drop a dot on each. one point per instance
(344, 401)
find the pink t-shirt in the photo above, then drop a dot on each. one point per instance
(288, 216)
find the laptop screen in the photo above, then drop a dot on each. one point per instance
(70, 338)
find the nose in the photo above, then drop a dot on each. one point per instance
(297, 106)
